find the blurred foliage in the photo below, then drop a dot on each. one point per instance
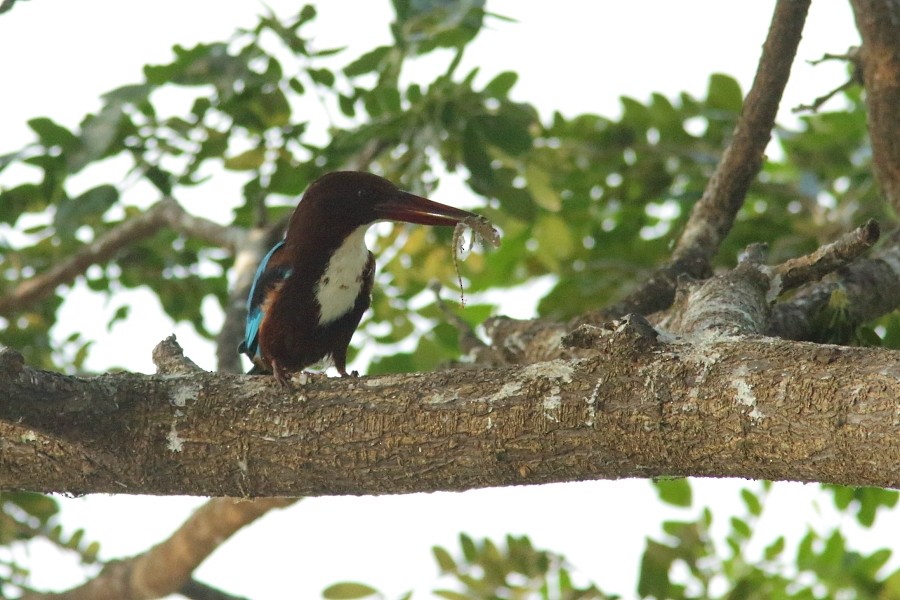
(689, 562)
(486, 571)
(685, 562)
(594, 202)
(24, 518)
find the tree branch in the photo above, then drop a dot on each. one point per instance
(713, 216)
(633, 406)
(167, 567)
(878, 22)
(871, 287)
(738, 301)
(165, 212)
(828, 258)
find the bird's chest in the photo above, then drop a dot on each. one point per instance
(341, 282)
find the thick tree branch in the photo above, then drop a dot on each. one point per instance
(166, 212)
(713, 216)
(167, 567)
(878, 22)
(633, 406)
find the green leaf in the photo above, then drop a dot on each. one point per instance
(475, 157)
(89, 206)
(774, 549)
(429, 24)
(348, 590)
(741, 528)
(469, 549)
(37, 505)
(540, 188)
(868, 501)
(247, 160)
(161, 180)
(554, 238)
(321, 76)
(134, 94)
(296, 85)
(444, 560)
(89, 554)
(653, 579)
(751, 500)
(499, 86)
(507, 131)
(28, 197)
(368, 62)
(724, 92)
(676, 491)
(98, 134)
(51, 133)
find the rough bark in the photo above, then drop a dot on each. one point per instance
(871, 288)
(633, 406)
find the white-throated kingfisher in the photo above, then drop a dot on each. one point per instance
(312, 288)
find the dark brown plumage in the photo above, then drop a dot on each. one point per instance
(312, 289)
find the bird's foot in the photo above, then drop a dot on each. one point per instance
(282, 376)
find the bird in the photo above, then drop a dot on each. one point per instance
(312, 288)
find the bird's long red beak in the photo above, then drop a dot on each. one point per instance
(410, 208)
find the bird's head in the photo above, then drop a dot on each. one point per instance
(343, 201)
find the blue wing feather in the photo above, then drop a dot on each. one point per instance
(263, 281)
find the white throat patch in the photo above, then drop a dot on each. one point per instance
(337, 289)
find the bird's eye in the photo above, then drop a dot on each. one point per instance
(364, 194)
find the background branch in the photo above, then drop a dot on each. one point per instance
(167, 567)
(878, 22)
(713, 216)
(165, 212)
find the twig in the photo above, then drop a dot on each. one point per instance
(167, 567)
(828, 258)
(229, 238)
(871, 287)
(713, 216)
(852, 54)
(818, 102)
(165, 212)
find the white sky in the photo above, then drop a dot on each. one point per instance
(58, 56)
